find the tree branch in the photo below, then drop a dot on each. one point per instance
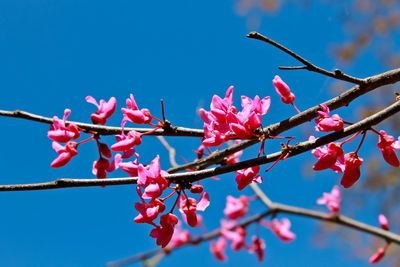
(105, 130)
(276, 209)
(341, 100)
(190, 177)
(337, 74)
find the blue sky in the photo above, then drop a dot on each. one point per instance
(55, 53)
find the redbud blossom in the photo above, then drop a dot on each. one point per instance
(331, 200)
(164, 232)
(249, 119)
(258, 246)
(106, 109)
(328, 159)
(236, 207)
(196, 189)
(236, 236)
(377, 256)
(151, 179)
(387, 145)
(100, 167)
(325, 123)
(59, 132)
(130, 167)
(104, 150)
(216, 128)
(283, 90)
(189, 206)
(246, 176)
(328, 154)
(149, 212)
(133, 114)
(65, 153)
(383, 221)
(281, 229)
(352, 169)
(126, 142)
(218, 249)
(180, 237)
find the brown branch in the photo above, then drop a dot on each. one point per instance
(341, 100)
(277, 208)
(190, 177)
(106, 130)
(337, 74)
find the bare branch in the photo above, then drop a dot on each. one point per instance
(106, 130)
(277, 208)
(171, 151)
(337, 74)
(262, 196)
(190, 177)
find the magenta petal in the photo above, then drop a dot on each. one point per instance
(204, 202)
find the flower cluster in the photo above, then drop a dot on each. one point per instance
(236, 234)
(223, 120)
(222, 123)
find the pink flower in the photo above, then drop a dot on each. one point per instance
(189, 206)
(258, 246)
(61, 133)
(133, 114)
(283, 90)
(383, 221)
(104, 150)
(126, 142)
(281, 229)
(352, 169)
(196, 189)
(106, 109)
(246, 176)
(331, 200)
(180, 237)
(236, 207)
(249, 119)
(387, 145)
(377, 256)
(130, 167)
(328, 158)
(65, 153)
(218, 249)
(221, 107)
(151, 179)
(100, 167)
(325, 123)
(213, 137)
(236, 236)
(216, 128)
(148, 212)
(163, 233)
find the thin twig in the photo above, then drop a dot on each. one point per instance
(337, 74)
(105, 130)
(190, 177)
(171, 151)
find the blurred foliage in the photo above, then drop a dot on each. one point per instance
(366, 22)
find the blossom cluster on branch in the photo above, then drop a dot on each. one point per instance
(223, 124)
